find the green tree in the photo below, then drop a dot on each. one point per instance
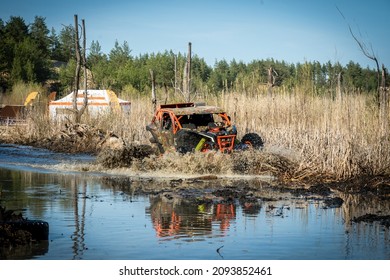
(120, 54)
(16, 30)
(353, 75)
(40, 35)
(118, 59)
(66, 76)
(14, 33)
(200, 69)
(98, 64)
(29, 64)
(139, 71)
(220, 77)
(95, 53)
(24, 53)
(3, 59)
(200, 73)
(370, 80)
(54, 46)
(162, 65)
(66, 43)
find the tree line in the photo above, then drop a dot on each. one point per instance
(30, 52)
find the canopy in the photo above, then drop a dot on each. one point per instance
(99, 101)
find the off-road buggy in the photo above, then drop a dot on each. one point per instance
(188, 127)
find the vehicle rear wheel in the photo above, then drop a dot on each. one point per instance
(253, 140)
(186, 141)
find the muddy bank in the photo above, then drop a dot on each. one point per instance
(365, 184)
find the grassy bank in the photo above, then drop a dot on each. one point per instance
(322, 136)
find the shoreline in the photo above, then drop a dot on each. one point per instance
(278, 169)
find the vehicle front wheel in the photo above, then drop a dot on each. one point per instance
(253, 140)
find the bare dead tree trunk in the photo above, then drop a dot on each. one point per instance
(80, 61)
(175, 83)
(384, 103)
(381, 93)
(189, 72)
(187, 76)
(185, 81)
(84, 63)
(339, 92)
(78, 67)
(271, 79)
(371, 56)
(369, 53)
(154, 98)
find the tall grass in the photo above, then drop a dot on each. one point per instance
(336, 138)
(19, 92)
(340, 138)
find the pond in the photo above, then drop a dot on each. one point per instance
(96, 216)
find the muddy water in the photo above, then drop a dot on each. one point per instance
(93, 217)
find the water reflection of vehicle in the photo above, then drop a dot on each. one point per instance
(181, 218)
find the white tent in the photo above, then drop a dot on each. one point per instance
(99, 102)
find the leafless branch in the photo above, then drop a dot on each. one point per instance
(364, 49)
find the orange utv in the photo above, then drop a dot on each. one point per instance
(189, 127)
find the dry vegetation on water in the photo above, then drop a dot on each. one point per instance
(305, 136)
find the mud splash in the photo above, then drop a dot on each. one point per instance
(143, 158)
(113, 153)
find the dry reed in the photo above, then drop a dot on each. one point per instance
(337, 138)
(316, 135)
(340, 138)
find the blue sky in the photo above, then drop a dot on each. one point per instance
(294, 31)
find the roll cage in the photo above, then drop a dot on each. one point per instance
(176, 118)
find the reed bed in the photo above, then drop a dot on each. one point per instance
(317, 135)
(337, 138)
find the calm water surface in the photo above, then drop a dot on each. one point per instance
(91, 219)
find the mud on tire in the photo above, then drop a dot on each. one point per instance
(254, 140)
(186, 141)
